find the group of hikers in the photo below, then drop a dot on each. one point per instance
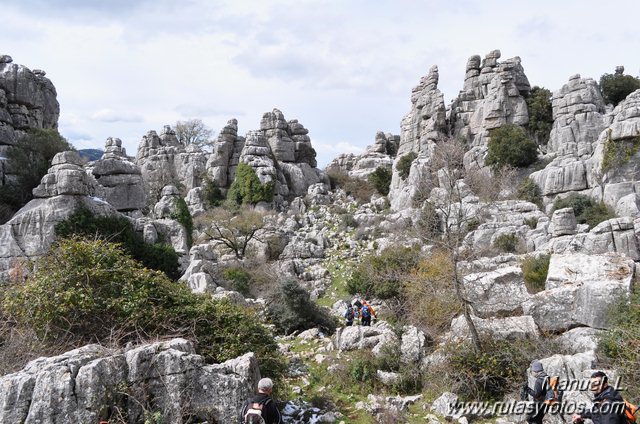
(360, 310)
(609, 407)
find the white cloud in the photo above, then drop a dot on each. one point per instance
(109, 115)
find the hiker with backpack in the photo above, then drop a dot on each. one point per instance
(538, 393)
(349, 315)
(608, 406)
(372, 312)
(261, 409)
(365, 312)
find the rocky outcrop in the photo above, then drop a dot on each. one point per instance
(164, 160)
(491, 97)
(380, 154)
(62, 191)
(578, 113)
(93, 383)
(120, 179)
(426, 121)
(223, 161)
(580, 290)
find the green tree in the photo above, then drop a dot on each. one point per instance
(616, 87)
(183, 216)
(381, 180)
(247, 189)
(510, 145)
(233, 229)
(87, 290)
(540, 114)
(28, 161)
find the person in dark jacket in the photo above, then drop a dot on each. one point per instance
(262, 401)
(538, 393)
(608, 405)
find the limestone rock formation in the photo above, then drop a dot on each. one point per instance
(85, 385)
(380, 154)
(62, 191)
(223, 161)
(491, 97)
(579, 291)
(578, 113)
(120, 179)
(163, 160)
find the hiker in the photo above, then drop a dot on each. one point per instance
(365, 312)
(357, 311)
(538, 393)
(261, 406)
(372, 312)
(349, 315)
(608, 405)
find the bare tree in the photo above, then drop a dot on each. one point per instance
(232, 229)
(194, 131)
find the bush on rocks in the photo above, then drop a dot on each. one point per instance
(510, 145)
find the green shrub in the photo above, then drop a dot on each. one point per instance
(615, 88)
(531, 222)
(381, 180)
(534, 271)
(119, 229)
(510, 145)
(618, 152)
(382, 275)
(506, 243)
(85, 291)
(360, 189)
(211, 194)
(586, 210)
(540, 114)
(429, 222)
(290, 309)
(239, 278)
(404, 164)
(183, 216)
(28, 160)
(247, 189)
(491, 373)
(530, 192)
(619, 347)
(347, 220)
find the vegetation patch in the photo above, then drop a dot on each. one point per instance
(616, 87)
(404, 164)
(618, 152)
(586, 210)
(247, 189)
(540, 114)
(118, 229)
(534, 271)
(507, 243)
(361, 190)
(87, 291)
(183, 216)
(529, 191)
(381, 180)
(510, 145)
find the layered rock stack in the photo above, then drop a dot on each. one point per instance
(491, 97)
(120, 179)
(223, 161)
(27, 100)
(426, 121)
(380, 154)
(62, 191)
(163, 160)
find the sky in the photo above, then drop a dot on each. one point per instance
(344, 69)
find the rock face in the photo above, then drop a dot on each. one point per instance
(491, 97)
(163, 160)
(61, 192)
(28, 99)
(87, 384)
(578, 113)
(579, 291)
(280, 153)
(381, 154)
(120, 179)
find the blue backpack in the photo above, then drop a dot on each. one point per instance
(366, 313)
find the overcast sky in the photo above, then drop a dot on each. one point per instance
(343, 68)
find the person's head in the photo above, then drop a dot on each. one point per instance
(265, 385)
(599, 382)
(536, 367)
